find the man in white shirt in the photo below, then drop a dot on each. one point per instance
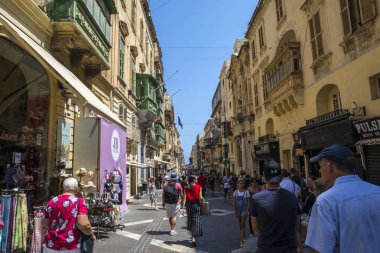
(227, 188)
(289, 185)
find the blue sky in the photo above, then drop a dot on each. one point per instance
(196, 36)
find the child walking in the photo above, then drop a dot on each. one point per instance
(152, 193)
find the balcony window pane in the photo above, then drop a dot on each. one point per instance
(107, 33)
(96, 13)
(103, 24)
(90, 5)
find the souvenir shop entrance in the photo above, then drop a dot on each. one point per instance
(24, 110)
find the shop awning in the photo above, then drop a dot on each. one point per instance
(60, 71)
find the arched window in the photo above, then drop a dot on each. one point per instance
(328, 99)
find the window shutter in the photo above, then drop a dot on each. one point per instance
(345, 13)
(367, 10)
(312, 39)
(318, 34)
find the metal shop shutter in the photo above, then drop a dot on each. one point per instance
(372, 159)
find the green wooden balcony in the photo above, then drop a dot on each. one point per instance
(160, 134)
(146, 93)
(152, 143)
(82, 27)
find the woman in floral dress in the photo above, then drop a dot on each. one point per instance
(67, 217)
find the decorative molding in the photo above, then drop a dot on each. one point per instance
(36, 14)
(91, 33)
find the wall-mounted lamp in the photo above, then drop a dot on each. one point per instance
(67, 94)
(358, 111)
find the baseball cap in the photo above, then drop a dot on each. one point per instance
(272, 172)
(336, 153)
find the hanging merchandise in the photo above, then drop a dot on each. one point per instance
(36, 240)
(20, 221)
(1, 219)
(7, 210)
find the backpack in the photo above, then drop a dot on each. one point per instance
(171, 195)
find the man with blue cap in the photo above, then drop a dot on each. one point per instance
(345, 218)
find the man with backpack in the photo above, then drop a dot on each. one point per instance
(172, 192)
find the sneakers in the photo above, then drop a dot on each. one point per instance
(172, 232)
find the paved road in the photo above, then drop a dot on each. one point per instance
(147, 230)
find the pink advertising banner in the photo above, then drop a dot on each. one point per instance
(113, 159)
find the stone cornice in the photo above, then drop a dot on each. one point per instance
(36, 15)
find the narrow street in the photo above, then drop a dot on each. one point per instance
(147, 230)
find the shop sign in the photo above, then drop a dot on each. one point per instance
(368, 129)
(23, 139)
(63, 141)
(342, 133)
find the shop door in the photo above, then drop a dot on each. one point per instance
(372, 160)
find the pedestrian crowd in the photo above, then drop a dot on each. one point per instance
(338, 212)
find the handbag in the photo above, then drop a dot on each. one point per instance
(86, 242)
(205, 208)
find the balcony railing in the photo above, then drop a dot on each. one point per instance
(268, 138)
(328, 116)
(209, 143)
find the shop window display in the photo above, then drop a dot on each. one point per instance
(24, 109)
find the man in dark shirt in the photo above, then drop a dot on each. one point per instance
(275, 215)
(211, 183)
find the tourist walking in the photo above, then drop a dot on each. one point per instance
(241, 204)
(152, 193)
(67, 220)
(346, 217)
(201, 180)
(227, 188)
(211, 183)
(253, 189)
(275, 215)
(290, 185)
(172, 192)
(192, 200)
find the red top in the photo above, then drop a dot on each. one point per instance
(62, 212)
(193, 194)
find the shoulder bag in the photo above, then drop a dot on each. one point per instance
(86, 242)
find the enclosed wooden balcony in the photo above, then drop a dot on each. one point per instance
(82, 28)
(284, 80)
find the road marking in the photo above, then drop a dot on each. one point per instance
(166, 245)
(148, 205)
(220, 212)
(129, 235)
(137, 222)
(165, 218)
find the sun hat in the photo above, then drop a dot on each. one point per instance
(82, 172)
(90, 184)
(272, 172)
(173, 177)
(336, 153)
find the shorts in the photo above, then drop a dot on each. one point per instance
(226, 190)
(173, 210)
